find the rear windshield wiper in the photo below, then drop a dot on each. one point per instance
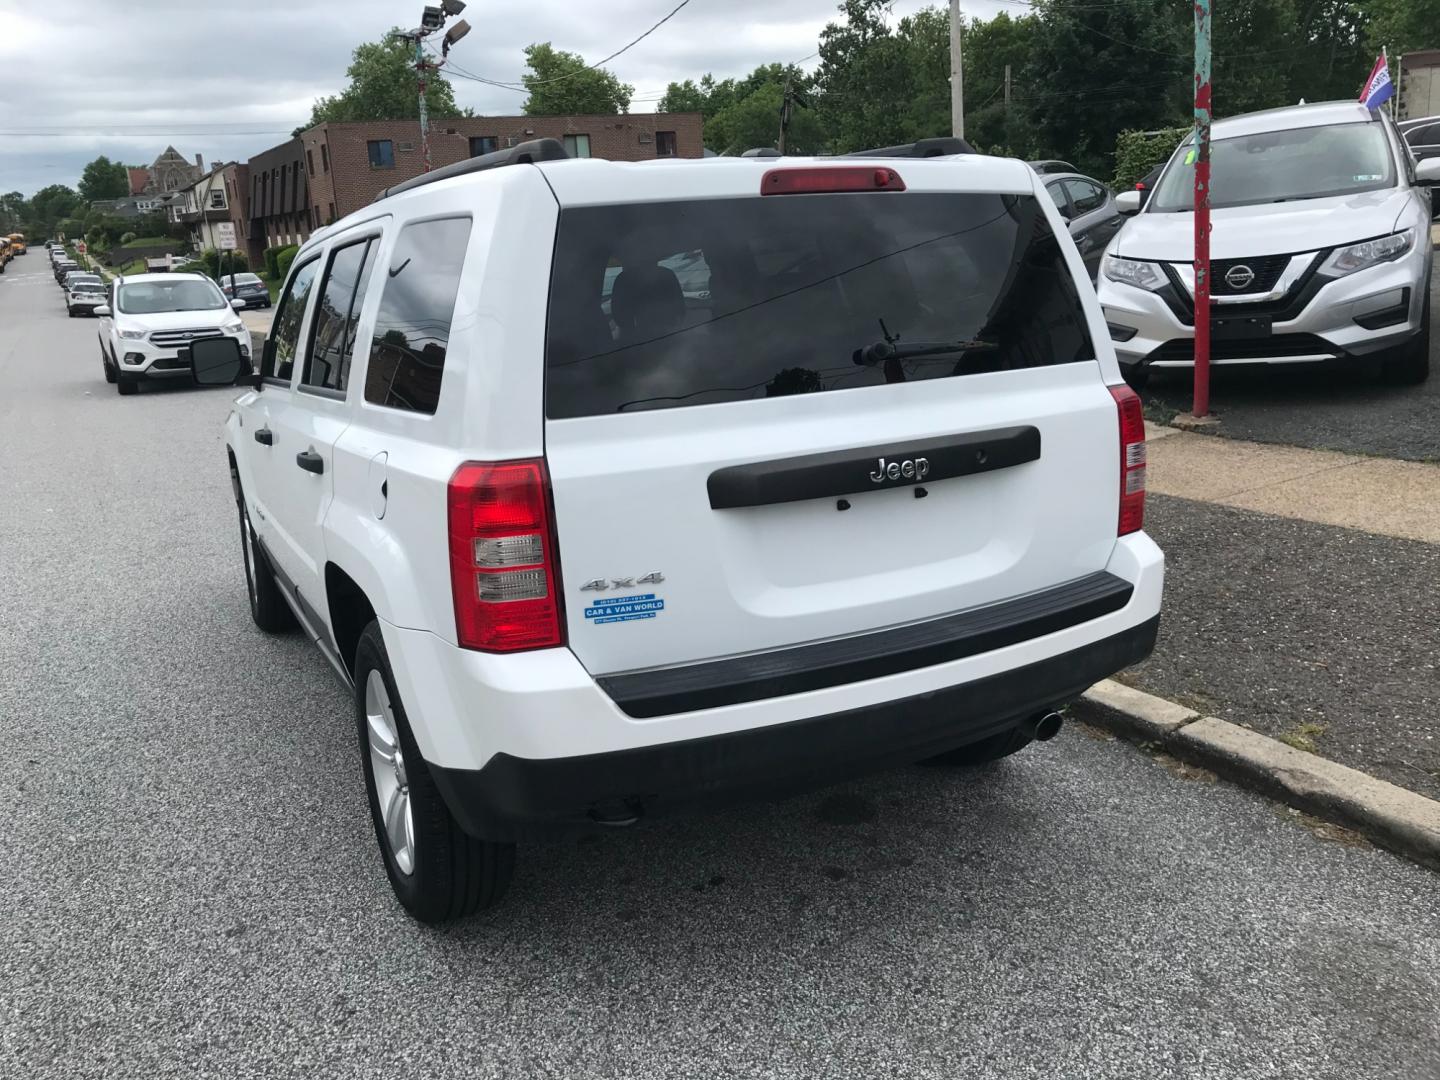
(881, 351)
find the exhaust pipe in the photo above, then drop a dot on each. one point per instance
(1042, 727)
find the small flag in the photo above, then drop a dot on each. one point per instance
(1378, 88)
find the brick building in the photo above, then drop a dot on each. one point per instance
(347, 165)
(279, 203)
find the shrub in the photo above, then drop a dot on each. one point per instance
(1137, 152)
(272, 255)
(125, 238)
(215, 263)
(283, 261)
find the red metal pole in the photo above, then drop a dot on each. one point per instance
(1201, 405)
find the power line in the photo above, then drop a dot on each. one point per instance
(522, 87)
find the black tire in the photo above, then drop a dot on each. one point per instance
(1137, 376)
(1002, 744)
(105, 364)
(267, 605)
(124, 387)
(1409, 365)
(453, 874)
(69, 311)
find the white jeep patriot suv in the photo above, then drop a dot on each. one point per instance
(620, 489)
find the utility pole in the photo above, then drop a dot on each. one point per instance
(420, 67)
(432, 18)
(784, 113)
(957, 75)
(1201, 404)
(1007, 93)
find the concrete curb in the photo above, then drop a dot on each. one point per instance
(1400, 820)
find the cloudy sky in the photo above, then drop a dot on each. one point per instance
(229, 78)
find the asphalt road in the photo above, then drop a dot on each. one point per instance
(1320, 408)
(190, 888)
(1299, 629)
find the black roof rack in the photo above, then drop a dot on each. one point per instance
(920, 148)
(525, 153)
(762, 151)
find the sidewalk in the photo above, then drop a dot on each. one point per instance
(1376, 495)
(1301, 598)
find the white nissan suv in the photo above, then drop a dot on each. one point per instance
(149, 320)
(1320, 249)
(614, 489)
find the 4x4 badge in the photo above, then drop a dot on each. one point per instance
(600, 584)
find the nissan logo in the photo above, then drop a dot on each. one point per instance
(1239, 276)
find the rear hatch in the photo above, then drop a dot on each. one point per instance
(773, 420)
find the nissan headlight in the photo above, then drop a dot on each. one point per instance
(134, 335)
(1143, 275)
(1347, 260)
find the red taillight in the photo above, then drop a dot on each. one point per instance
(829, 179)
(1132, 459)
(504, 572)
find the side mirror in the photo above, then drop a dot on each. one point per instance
(237, 304)
(1427, 172)
(1128, 202)
(103, 309)
(216, 361)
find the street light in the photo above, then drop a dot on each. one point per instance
(432, 18)
(452, 7)
(454, 34)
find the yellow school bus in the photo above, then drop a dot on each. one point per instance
(6, 254)
(17, 243)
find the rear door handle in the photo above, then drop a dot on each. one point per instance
(265, 437)
(310, 461)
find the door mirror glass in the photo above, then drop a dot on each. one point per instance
(1128, 202)
(1427, 172)
(216, 361)
(103, 309)
(237, 303)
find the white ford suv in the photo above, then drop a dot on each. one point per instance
(148, 321)
(591, 543)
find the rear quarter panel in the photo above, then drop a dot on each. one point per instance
(491, 396)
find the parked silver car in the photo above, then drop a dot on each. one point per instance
(1320, 249)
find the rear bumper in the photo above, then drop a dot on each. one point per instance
(511, 798)
(528, 710)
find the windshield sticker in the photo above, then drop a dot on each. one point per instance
(1190, 157)
(625, 609)
(1367, 178)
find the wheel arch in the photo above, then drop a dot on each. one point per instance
(350, 611)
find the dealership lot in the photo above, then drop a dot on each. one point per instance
(193, 892)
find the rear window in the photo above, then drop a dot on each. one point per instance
(657, 306)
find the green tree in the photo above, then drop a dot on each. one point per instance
(990, 45)
(1099, 69)
(560, 83)
(746, 113)
(104, 179)
(686, 97)
(1401, 26)
(383, 86)
(49, 206)
(881, 85)
(14, 211)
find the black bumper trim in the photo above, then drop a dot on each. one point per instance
(516, 798)
(755, 676)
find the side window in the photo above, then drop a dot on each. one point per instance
(1085, 195)
(284, 340)
(412, 327)
(1424, 136)
(1057, 196)
(332, 339)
